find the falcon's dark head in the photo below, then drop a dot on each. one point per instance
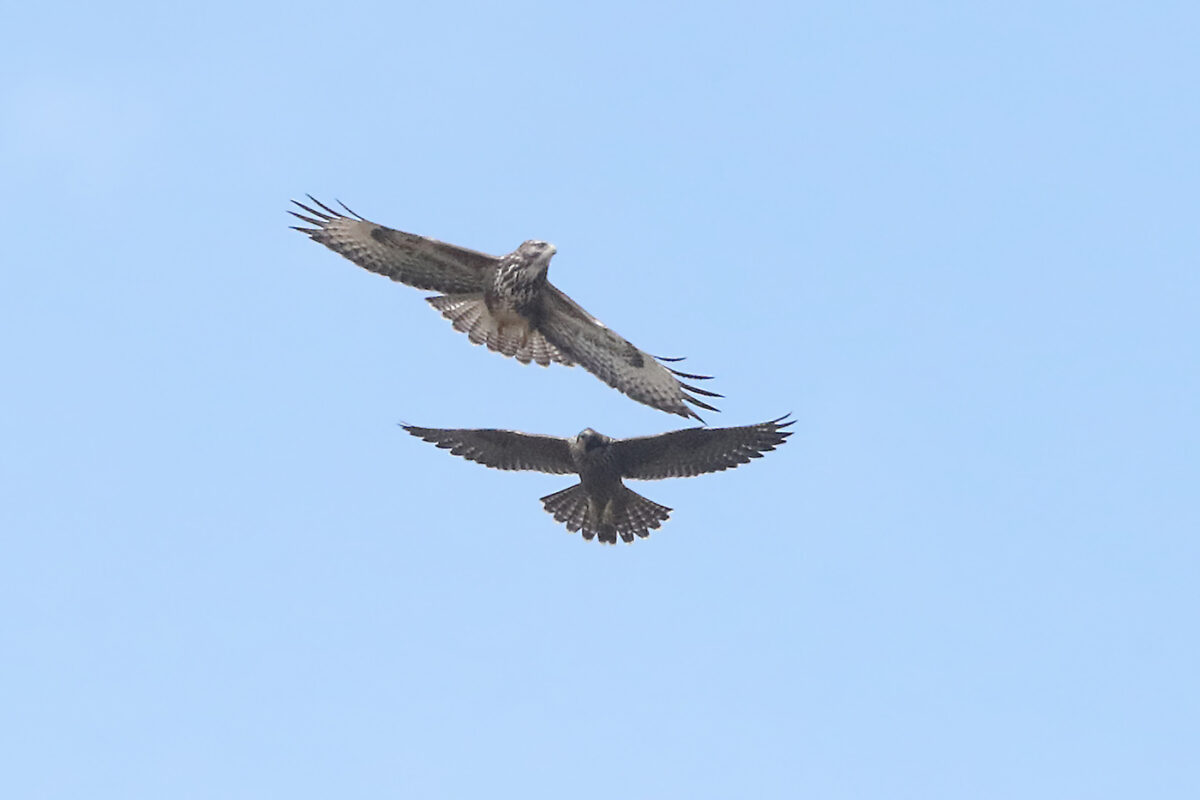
(589, 440)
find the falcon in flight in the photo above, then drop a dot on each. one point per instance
(600, 504)
(506, 303)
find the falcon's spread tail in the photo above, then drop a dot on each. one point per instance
(627, 513)
(469, 314)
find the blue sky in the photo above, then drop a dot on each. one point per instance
(958, 243)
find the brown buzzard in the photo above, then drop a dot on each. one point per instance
(506, 303)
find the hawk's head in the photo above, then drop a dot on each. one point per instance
(535, 254)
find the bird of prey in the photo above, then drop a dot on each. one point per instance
(506, 303)
(600, 504)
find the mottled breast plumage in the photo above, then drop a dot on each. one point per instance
(515, 284)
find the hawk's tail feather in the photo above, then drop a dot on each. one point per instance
(469, 313)
(627, 514)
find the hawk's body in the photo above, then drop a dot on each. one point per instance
(507, 304)
(600, 504)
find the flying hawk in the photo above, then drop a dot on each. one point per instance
(506, 303)
(600, 504)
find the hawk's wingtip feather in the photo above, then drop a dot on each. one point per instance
(310, 210)
(351, 212)
(689, 375)
(697, 402)
(309, 220)
(698, 390)
(332, 214)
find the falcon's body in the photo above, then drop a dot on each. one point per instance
(507, 304)
(600, 504)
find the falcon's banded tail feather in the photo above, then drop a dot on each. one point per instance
(639, 515)
(627, 513)
(570, 507)
(469, 314)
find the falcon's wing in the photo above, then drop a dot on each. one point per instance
(612, 359)
(695, 451)
(502, 449)
(404, 257)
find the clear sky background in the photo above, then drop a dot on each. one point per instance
(959, 243)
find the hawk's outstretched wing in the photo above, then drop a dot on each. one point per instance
(560, 330)
(695, 451)
(612, 359)
(502, 449)
(404, 257)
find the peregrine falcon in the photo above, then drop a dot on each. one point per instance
(601, 505)
(506, 303)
